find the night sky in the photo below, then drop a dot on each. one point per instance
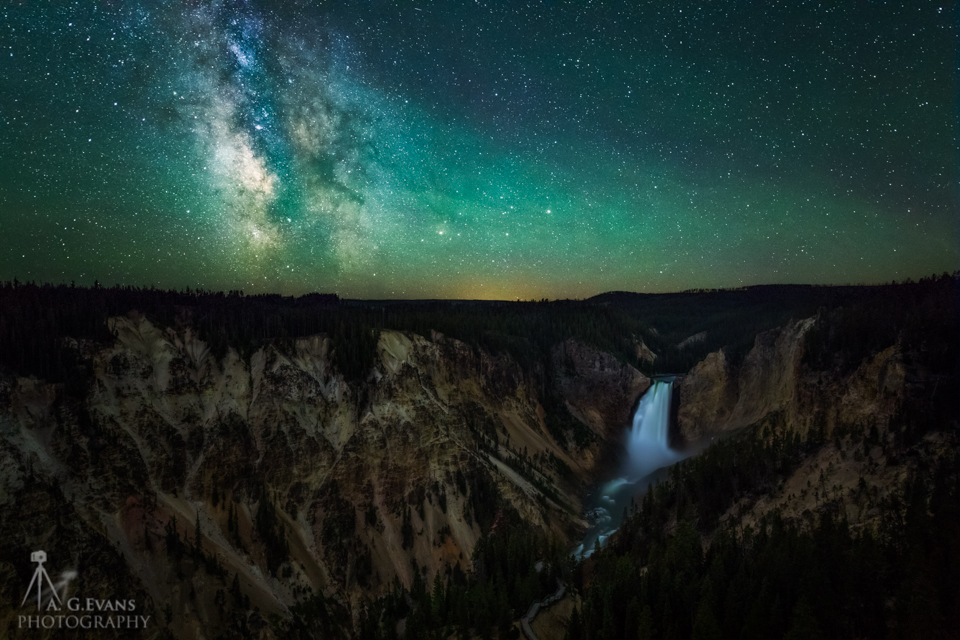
(477, 149)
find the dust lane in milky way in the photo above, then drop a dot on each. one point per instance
(498, 150)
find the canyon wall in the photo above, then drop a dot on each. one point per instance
(208, 488)
(717, 396)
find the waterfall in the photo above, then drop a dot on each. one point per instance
(648, 447)
(648, 450)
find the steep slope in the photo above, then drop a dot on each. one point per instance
(717, 397)
(206, 488)
(826, 503)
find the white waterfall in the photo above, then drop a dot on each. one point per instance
(648, 450)
(648, 447)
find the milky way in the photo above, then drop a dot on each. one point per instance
(498, 150)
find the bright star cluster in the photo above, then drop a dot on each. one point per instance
(477, 149)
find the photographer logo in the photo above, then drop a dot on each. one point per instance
(56, 611)
(39, 578)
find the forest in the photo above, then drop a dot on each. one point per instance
(817, 578)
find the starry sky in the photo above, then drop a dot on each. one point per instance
(469, 149)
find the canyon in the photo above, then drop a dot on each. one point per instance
(365, 480)
(229, 488)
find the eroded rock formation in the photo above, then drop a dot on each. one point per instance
(716, 396)
(171, 473)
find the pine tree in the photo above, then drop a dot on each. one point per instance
(804, 624)
(197, 547)
(645, 625)
(575, 628)
(235, 589)
(406, 530)
(437, 599)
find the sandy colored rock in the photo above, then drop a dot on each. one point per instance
(715, 397)
(707, 396)
(599, 390)
(167, 435)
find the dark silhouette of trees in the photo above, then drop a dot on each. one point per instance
(484, 603)
(783, 579)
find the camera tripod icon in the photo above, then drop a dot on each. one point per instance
(39, 576)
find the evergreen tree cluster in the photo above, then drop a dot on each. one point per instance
(871, 318)
(271, 532)
(782, 580)
(339, 520)
(703, 487)
(319, 617)
(484, 603)
(730, 319)
(35, 319)
(812, 578)
(922, 317)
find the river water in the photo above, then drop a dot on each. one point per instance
(647, 451)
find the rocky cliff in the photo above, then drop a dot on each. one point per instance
(220, 493)
(597, 388)
(717, 396)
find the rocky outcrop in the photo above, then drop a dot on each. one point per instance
(857, 477)
(767, 378)
(599, 390)
(707, 397)
(692, 340)
(180, 473)
(716, 397)
(644, 354)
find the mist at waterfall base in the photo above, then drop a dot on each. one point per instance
(648, 451)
